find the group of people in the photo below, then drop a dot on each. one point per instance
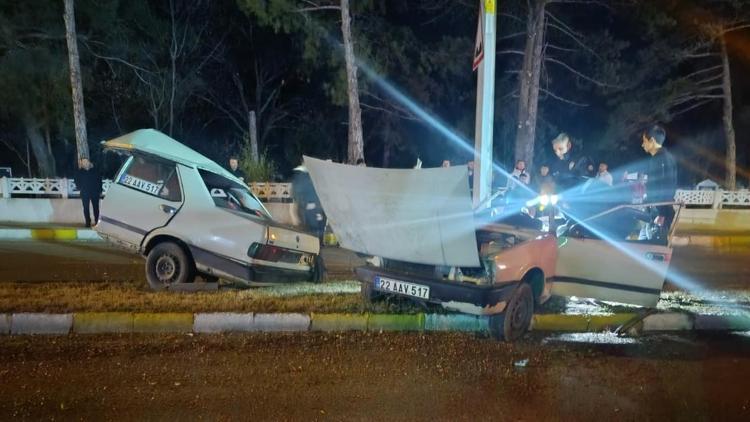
(655, 183)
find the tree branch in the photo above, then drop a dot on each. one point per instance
(575, 37)
(586, 77)
(694, 106)
(559, 98)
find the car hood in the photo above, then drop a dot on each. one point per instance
(422, 215)
(151, 141)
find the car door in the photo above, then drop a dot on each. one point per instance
(145, 195)
(602, 258)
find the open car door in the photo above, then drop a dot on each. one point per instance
(603, 258)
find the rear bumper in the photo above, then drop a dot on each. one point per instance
(463, 297)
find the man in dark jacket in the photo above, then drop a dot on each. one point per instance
(567, 170)
(661, 172)
(237, 172)
(89, 183)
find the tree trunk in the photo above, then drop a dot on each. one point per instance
(253, 134)
(44, 160)
(529, 84)
(79, 113)
(355, 148)
(731, 153)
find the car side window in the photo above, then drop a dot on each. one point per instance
(154, 177)
(620, 225)
(231, 195)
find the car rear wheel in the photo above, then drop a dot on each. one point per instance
(515, 321)
(168, 264)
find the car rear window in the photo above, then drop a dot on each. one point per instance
(231, 195)
(152, 176)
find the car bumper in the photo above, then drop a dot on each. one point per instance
(458, 296)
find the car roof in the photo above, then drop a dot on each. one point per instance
(153, 142)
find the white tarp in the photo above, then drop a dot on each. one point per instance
(422, 215)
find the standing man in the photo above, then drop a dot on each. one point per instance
(567, 170)
(234, 168)
(89, 183)
(603, 174)
(661, 181)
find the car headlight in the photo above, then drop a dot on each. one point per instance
(553, 199)
(544, 200)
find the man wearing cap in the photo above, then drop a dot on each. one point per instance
(661, 171)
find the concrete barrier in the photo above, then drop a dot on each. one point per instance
(338, 322)
(223, 322)
(4, 324)
(103, 322)
(37, 323)
(41, 210)
(163, 323)
(281, 322)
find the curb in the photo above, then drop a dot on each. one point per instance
(33, 323)
(163, 323)
(225, 322)
(103, 322)
(65, 233)
(338, 322)
(580, 323)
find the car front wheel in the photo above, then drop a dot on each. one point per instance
(168, 264)
(516, 319)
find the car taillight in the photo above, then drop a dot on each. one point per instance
(273, 253)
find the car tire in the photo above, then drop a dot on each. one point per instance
(513, 323)
(319, 274)
(167, 265)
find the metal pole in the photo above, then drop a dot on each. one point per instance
(485, 112)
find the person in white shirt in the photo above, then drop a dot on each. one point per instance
(603, 174)
(519, 172)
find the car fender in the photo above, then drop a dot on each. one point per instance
(160, 231)
(511, 265)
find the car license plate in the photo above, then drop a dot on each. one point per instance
(402, 287)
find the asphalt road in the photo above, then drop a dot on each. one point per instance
(38, 260)
(358, 376)
(96, 261)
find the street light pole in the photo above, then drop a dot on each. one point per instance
(485, 111)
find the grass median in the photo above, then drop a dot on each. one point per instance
(135, 296)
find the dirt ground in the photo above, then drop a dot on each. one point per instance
(354, 376)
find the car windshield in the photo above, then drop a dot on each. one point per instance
(233, 196)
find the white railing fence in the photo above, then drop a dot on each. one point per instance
(282, 192)
(715, 199)
(19, 187)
